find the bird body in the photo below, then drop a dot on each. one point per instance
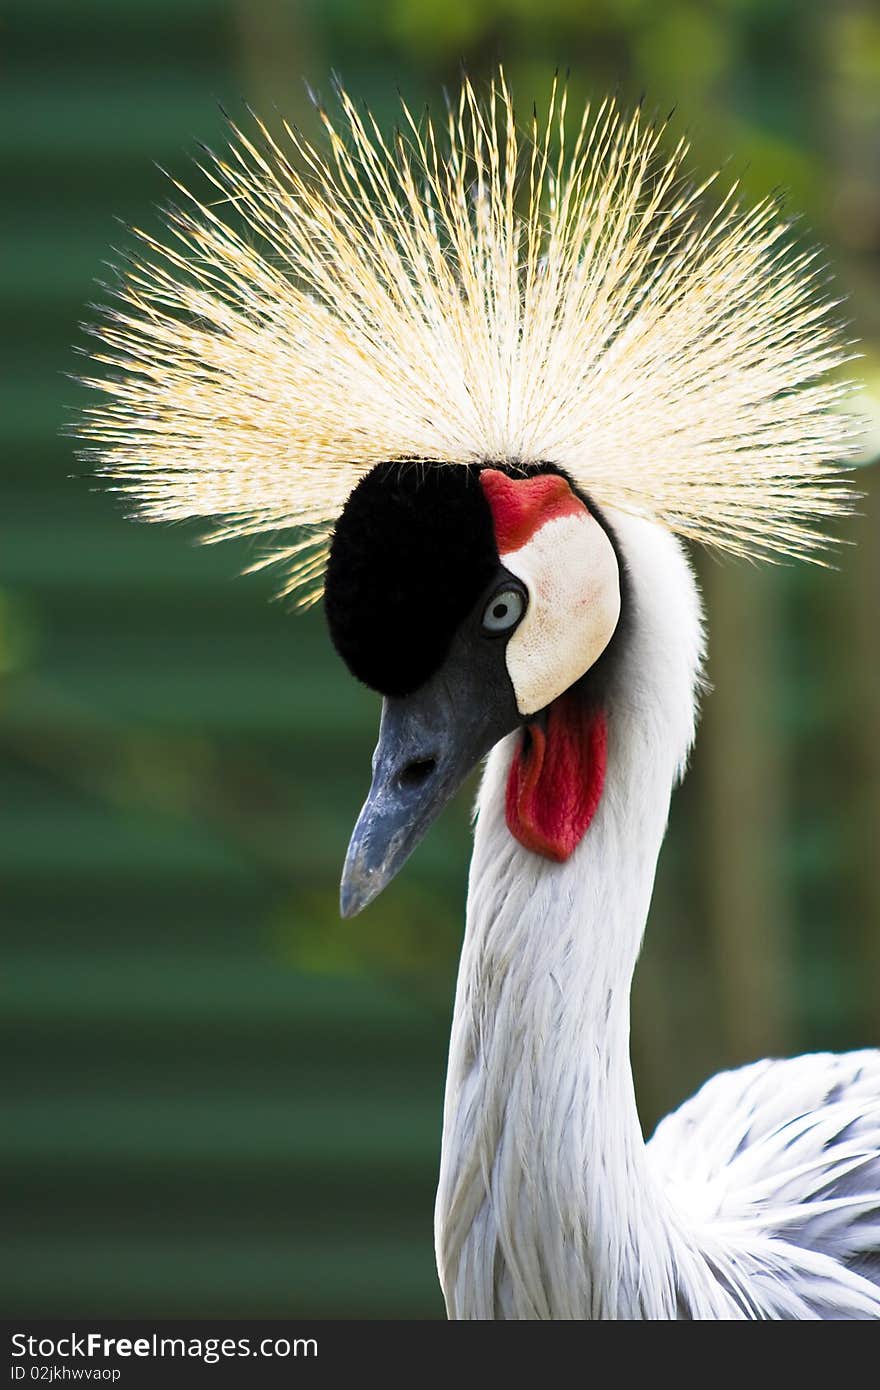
(550, 1205)
(474, 385)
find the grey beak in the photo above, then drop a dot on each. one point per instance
(415, 772)
(428, 744)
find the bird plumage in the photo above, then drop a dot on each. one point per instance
(760, 1197)
(786, 1152)
(322, 332)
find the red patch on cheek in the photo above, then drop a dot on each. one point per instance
(556, 779)
(520, 506)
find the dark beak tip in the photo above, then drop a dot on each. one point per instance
(359, 886)
(348, 908)
(350, 903)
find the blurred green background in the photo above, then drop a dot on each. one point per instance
(220, 1100)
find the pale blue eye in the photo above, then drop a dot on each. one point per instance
(503, 611)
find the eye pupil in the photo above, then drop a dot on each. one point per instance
(500, 610)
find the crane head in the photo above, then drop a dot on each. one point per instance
(466, 299)
(473, 598)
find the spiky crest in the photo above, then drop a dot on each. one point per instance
(465, 293)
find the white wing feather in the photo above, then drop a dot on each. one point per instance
(787, 1155)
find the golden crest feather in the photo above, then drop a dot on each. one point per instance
(472, 292)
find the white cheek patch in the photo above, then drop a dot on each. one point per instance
(570, 570)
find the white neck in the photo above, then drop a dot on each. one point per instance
(546, 1206)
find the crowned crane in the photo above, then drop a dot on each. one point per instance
(488, 379)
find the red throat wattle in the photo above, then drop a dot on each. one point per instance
(556, 778)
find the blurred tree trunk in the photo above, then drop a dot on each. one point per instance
(744, 830)
(852, 134)
(865, 754)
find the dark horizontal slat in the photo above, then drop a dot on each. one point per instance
(148, 113)
(105, 547)
(362, 1199)
(339, 1187)
(194, 988)
(298, 1055)
(85, 844)
(151, 15)
(210, 699)
(222, 1124)
(244, 1278)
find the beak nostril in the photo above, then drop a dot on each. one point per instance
(416, 772)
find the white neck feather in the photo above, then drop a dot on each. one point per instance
(546, 1207)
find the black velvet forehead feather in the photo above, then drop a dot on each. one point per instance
(412, 551)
